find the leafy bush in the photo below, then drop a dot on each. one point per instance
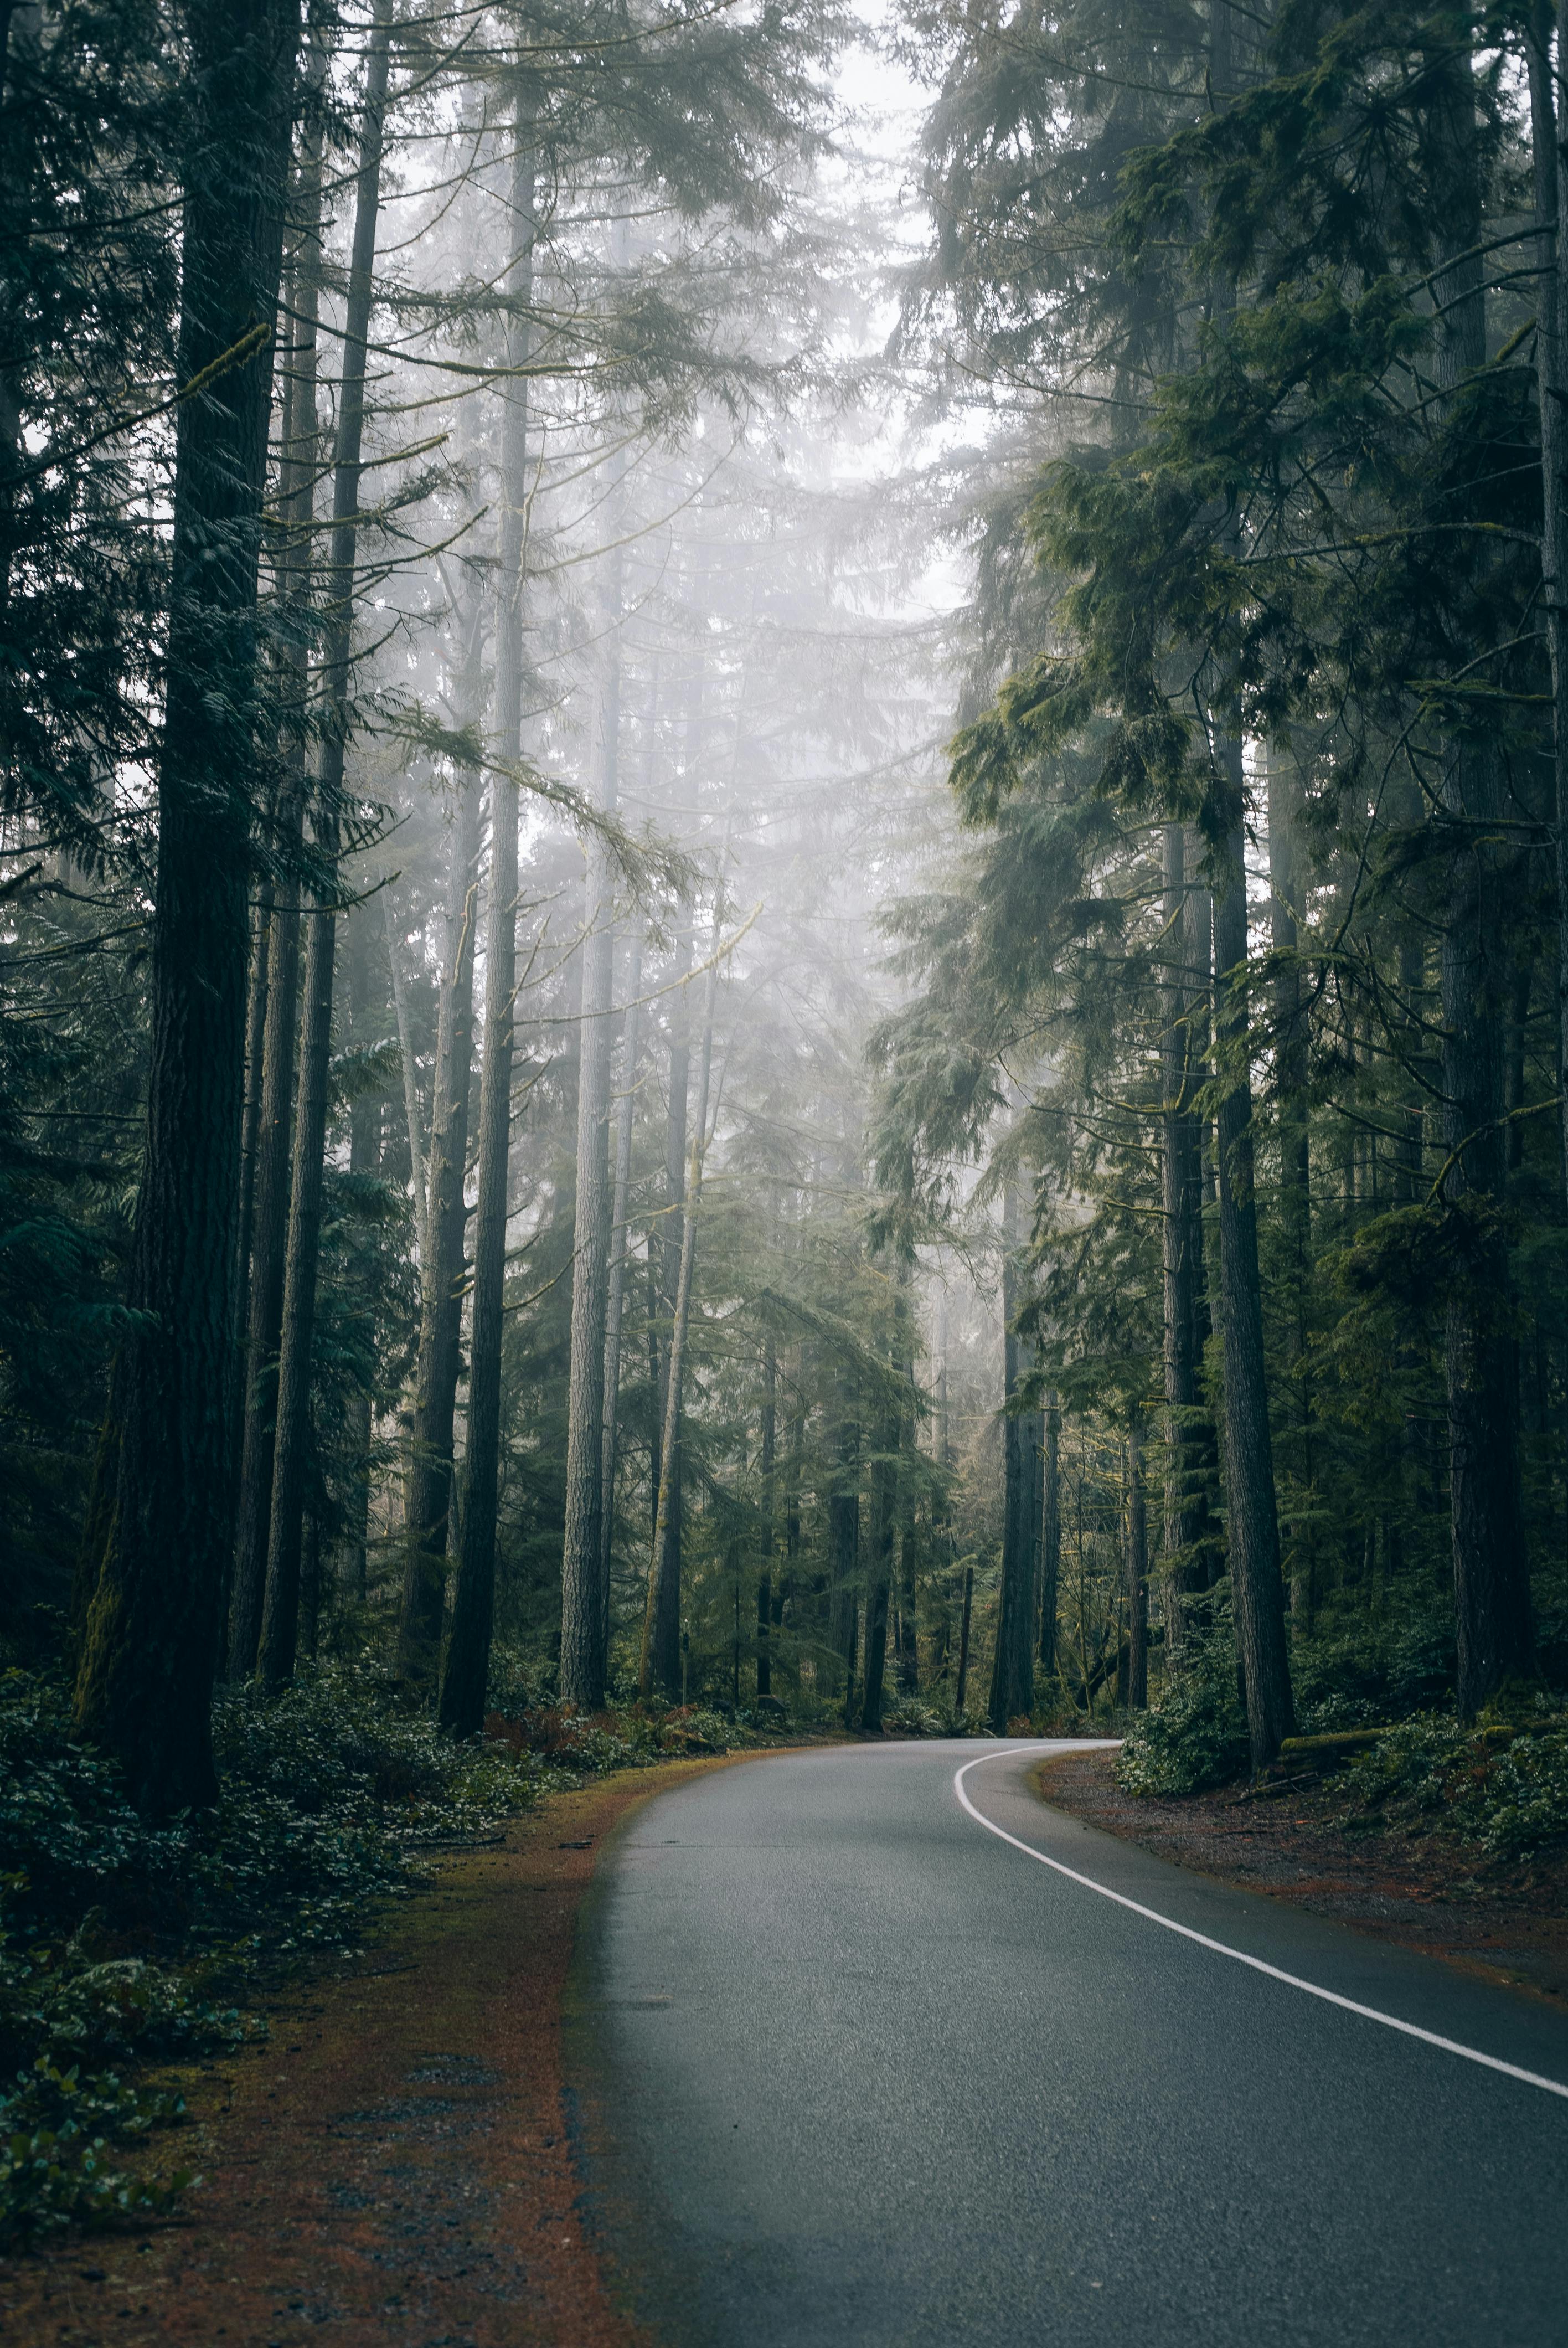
(1197, 1735)
(123, 1943)
(908, 1716)
(1506, 1790)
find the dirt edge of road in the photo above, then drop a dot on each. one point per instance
(393, 2166)
(1413, 1891)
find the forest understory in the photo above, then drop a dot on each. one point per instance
(394, 2159)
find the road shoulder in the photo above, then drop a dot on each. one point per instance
(394, 2164)
(1509, 1927)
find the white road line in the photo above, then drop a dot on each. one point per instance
(1291, 1981)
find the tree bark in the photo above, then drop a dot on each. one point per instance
(280, 1615)
(1137, 1571)
(151, 1650)
(766, 1461)
(964, 1640)
(275, 1104)
(878, 1582)
(467, 1662)
(1188, 1440)
(585, 1588)
(620, 1237)
(1551, 390)
(1290, 1059)
(1050, 1530)
(661, 1623)
(443, 1220)
(1012, 1661)
(1491, 1583)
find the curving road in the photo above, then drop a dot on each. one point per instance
(851, 2067)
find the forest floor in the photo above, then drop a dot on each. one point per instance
(1427, 1892)
(393, 2167)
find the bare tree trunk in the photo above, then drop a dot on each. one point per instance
(275, 1096)
(280, 1616)
(429, 1472)
(767, 1450)
(1257, 1592)
(666, 1250)
(467, 1664)
(1551, 386)
(1012, 1661)
(662, 1624)
(418, 1180)
(1049, 1531)
(844, 1530)
(1137, 1571)
(621, 1238)
(151, 1650)
(1290, 1056)
(1188, 1441)
(964, 1640)
(1491, 1582)
(364, 1155)
(878, 1581)
(585, 1592)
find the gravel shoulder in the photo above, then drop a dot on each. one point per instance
(1422, 1892)
(394, 2164)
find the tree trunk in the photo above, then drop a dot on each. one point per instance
(1137, 1571)
(1290, 1059)
(661, 1623)
(280, 1617)
(964, 1640)
(364, 1159)
(766, 1460)
(666, 1250)
(843, 1533)
(1491, 1584)
(145, 1683)
(280, 1027)
(883, 1520)
(620, 1249)
(585, 1589)
(467, 1664)
(1552, 386)
(1049, 1531)
(1257, 1596)
(443, 1220)
(1188, 1439)
(1012, 1663)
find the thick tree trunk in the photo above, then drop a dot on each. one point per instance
(964, 1640)
(1491, 1582)
(443, 1220)
(1290, 1059)
(1012, 1661)
(585, 1589)
(1257, 1595)
(1050, 1530)
(1137, 1571)
(665, 1253)
(620, 1251)
(879, 1577)
(661, 1623)
(1552, 386)
(467, 1664)
(150, 1650)
(280, 1617)
(1188, 1438)
(843, 1533)
(364, 1155)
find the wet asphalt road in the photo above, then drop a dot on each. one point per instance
(851, 2069)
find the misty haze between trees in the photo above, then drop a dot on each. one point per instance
(785, 915)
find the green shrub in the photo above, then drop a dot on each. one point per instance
(1196, 1736)
(123, 1943)
(1507, 1793)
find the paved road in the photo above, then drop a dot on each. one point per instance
(852, 2069)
